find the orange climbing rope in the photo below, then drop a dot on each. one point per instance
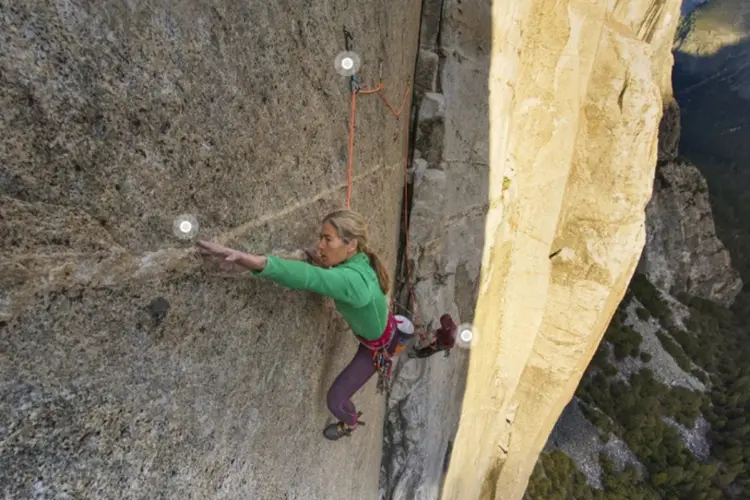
(397, 114)
(351, 149)
(352, 118)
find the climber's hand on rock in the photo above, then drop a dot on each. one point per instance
(246, 260)
(233, 263)
(232, 260)
(211, 248)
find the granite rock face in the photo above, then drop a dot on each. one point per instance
(577, 92)
(683, 253)
(130, 368)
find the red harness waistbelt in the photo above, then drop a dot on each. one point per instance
(385, 339)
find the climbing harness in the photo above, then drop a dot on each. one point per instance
(383, 366)
(381, 358)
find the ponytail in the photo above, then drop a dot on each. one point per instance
(379, 268)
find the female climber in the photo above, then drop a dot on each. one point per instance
(346, 269)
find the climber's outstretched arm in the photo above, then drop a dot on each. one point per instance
(340, 284)
(309, 255)
(335, 283)
(232, 260)
(240, 262)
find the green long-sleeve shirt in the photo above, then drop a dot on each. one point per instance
(353, 285)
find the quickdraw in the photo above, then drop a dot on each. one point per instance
(381, 359)
(383, 365)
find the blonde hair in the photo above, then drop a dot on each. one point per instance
(350, 225)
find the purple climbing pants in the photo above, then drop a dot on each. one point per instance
(353, 378)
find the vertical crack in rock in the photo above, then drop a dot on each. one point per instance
(446, 208)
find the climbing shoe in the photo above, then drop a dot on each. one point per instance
(444, 341)
(334, 432)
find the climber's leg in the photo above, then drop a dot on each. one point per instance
(349, 407)
(350, 380)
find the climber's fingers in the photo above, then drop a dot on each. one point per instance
(231, 267)
(233, 257)
(211, 248)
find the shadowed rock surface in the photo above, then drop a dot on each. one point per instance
(683, 253)
(450, 192)
(128, 369)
